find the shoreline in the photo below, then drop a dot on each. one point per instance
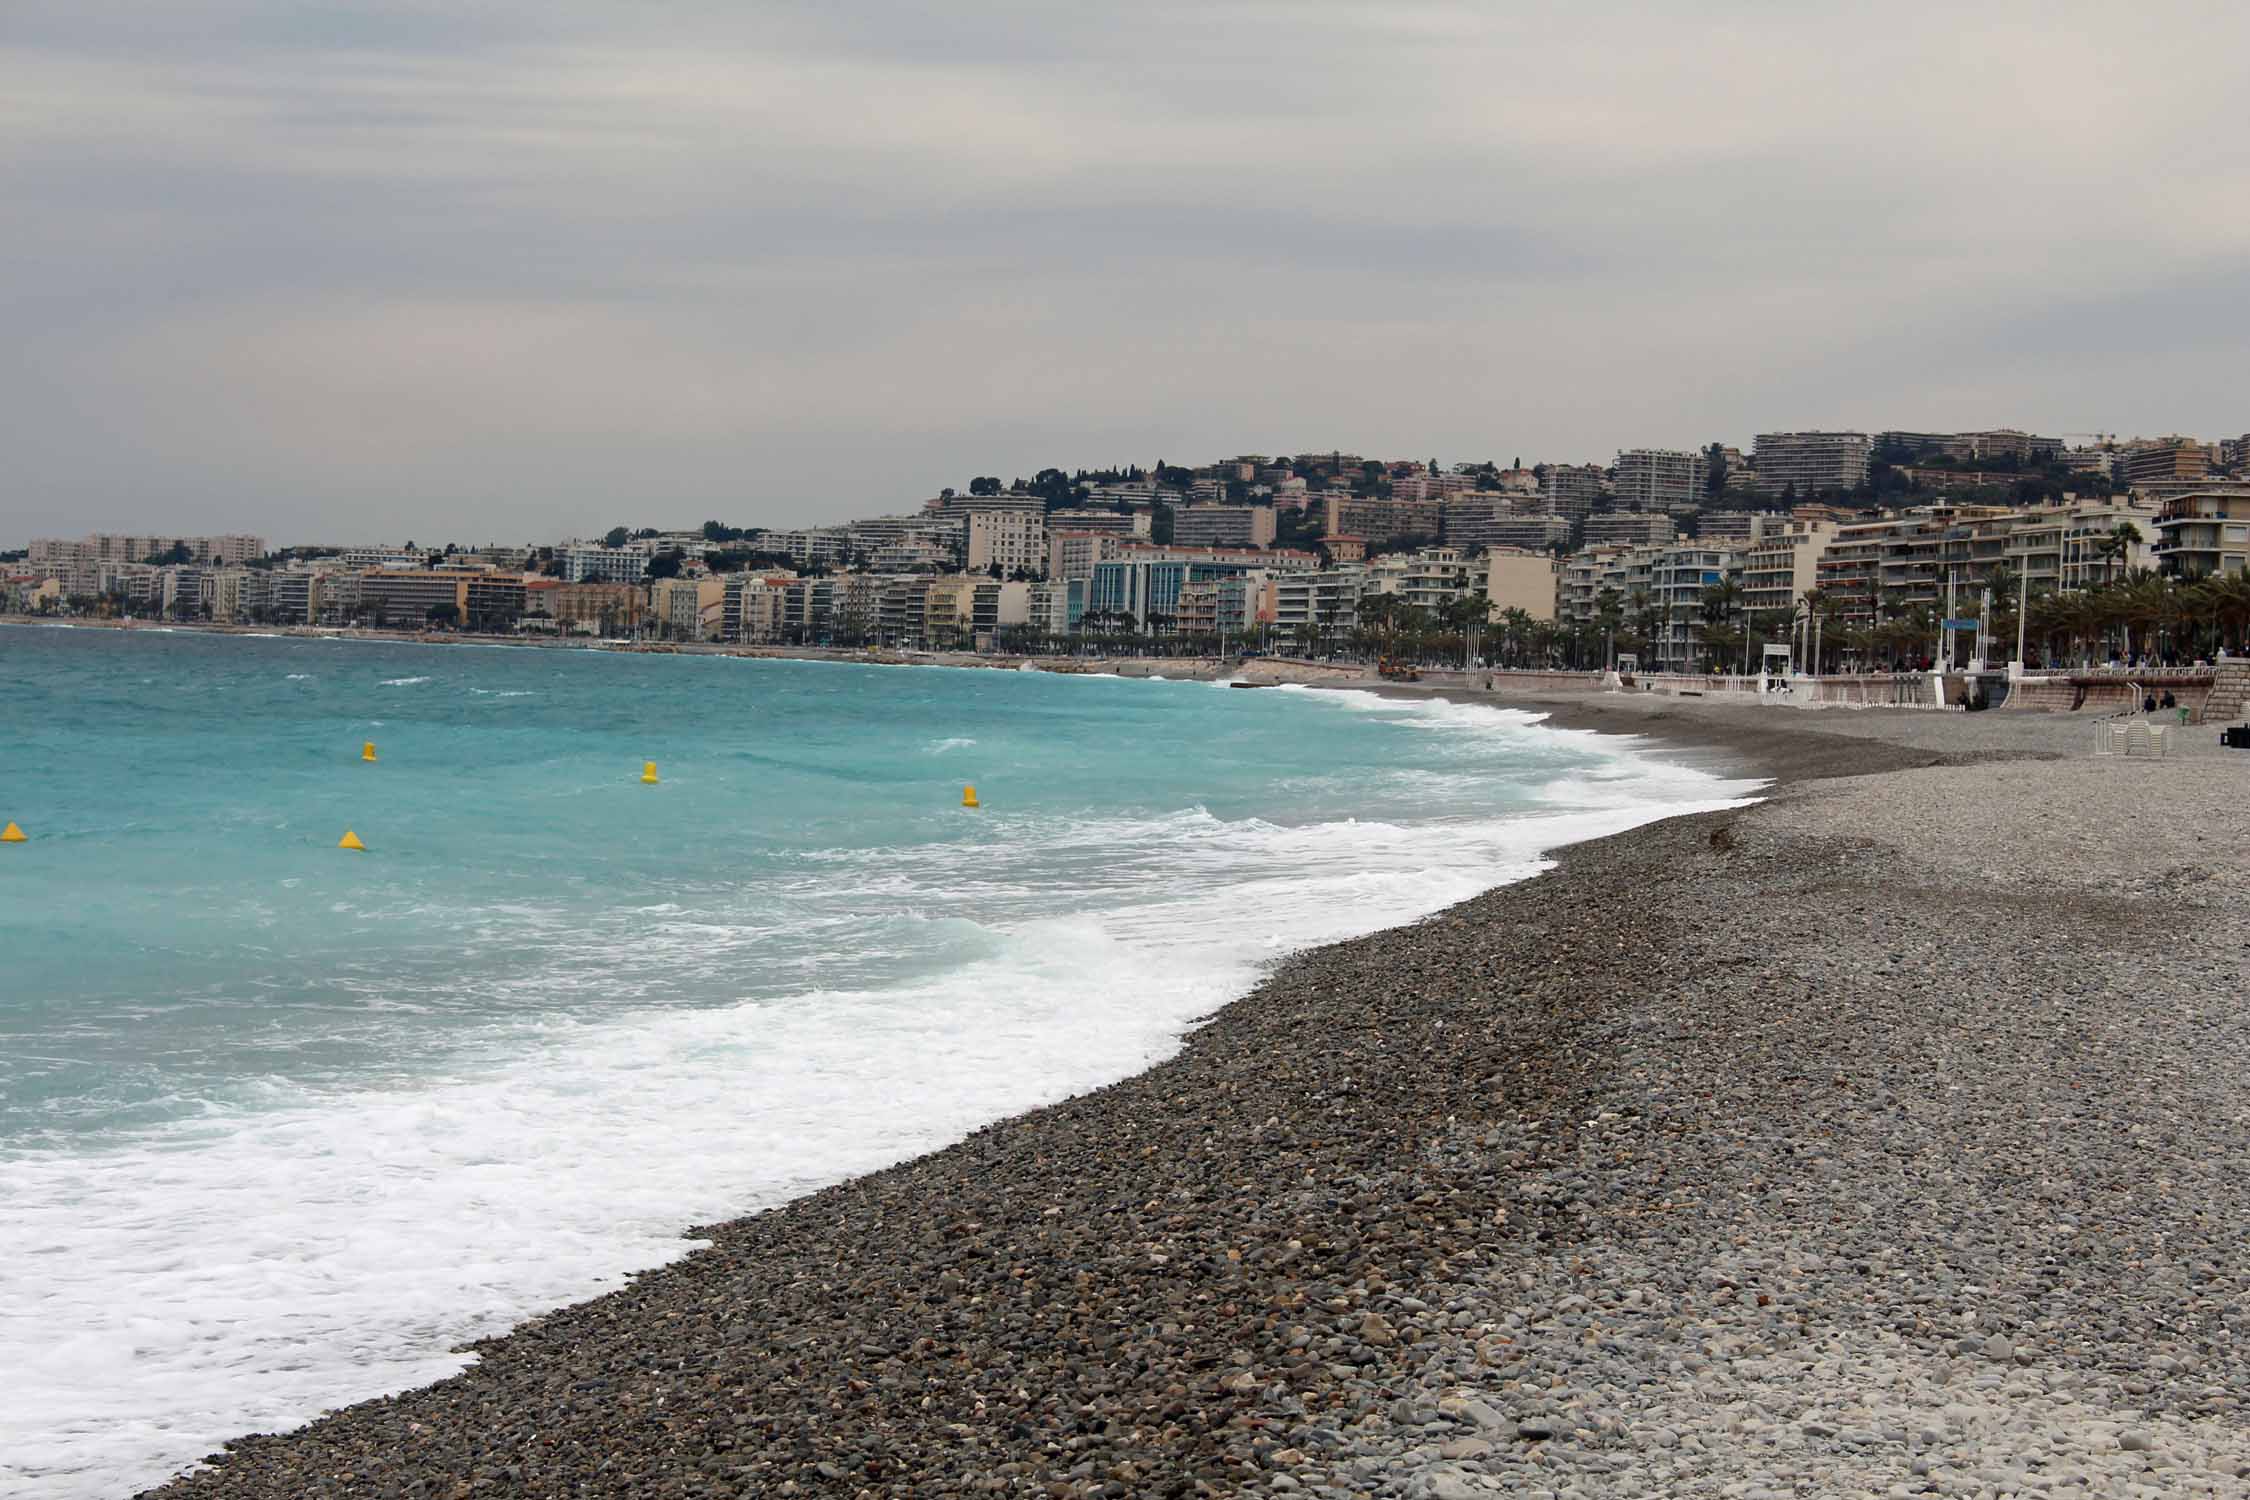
(1220, 1274)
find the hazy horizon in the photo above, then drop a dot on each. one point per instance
(541, 269)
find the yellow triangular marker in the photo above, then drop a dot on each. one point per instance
(350, 840)
(11, 835)
(367, 751)
(969, 797)
(648, 774)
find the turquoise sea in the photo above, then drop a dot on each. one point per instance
(282, 1125)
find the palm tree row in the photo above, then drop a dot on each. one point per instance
(2135, 615)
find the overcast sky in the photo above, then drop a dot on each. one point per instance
(510, 269)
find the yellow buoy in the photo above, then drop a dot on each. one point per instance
(367, 751)
(969, 797)
(11, 835)
(350, 840)
(648, 774)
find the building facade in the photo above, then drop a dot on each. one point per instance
(2205, 531)
(1665, 479)
(1806, 464)
(1009, 540)
(1223, 526)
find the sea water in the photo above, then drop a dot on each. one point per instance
(282, 1126)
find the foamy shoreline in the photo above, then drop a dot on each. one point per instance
(1416, 1216)
(1441, 875)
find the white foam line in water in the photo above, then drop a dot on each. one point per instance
(248, 1271)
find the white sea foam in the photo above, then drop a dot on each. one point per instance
(402, 681)
(300, 676)
(940, 747)
(248, 1270)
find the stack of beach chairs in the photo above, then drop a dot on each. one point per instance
(2130, 737)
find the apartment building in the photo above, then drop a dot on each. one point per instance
(956, 506)
(1223, 526)
(753, 607)
(1380, 521)
(592, 608)
(1810, 463)
(1232, 605)
(1128, 524)
(1954, 481)
(398, 559)
(1677, 577)
(403, 597)
(1429, 579)
(1046, 608)
(1326, 601)
(814, 547)
(1665, 479)
(1139, 589)
(944, 535)
(1010, 540)
(2205, 531)
(240, 595)
(1276, 559)
(1628, 528)
(1572, 490)
(74, 563)
(293, 596)
(2170, 459)
(1583, 578)
(1993, 445)
(1137, 494)
(493, 601)
(1148, 581)
(1907, 560)
(1781, 566)
(590, 563)
(2073, 545)
(914, 554)
(184, 592)
(1734, 528)
(1516, 579)
(687, 609)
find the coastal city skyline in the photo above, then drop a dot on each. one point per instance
(2226, 456)
(1895, 549)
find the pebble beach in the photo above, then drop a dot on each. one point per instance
(1890, 1136)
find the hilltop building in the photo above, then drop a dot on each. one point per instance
(1664, 479)
(1806, 464)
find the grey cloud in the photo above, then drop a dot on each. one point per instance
(523, 269)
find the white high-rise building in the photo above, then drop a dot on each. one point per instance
(1810, 463)
(1665, 479)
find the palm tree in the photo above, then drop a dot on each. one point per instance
(1820, 608)
(1718, 604)
(1467, 615)
(2118, 545)
(2001, 584)
(1609, 613)
(1515, 632)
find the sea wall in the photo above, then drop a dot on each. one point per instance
(2098, 693)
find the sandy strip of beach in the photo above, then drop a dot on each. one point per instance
(1887, 1137)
